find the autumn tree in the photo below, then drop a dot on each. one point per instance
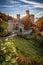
(1, 28)
(27, 22)
(39, 23)
(41, 28)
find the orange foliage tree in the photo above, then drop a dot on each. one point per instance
(39, 23)
(33, 28)
(27, 22)
(41, 33)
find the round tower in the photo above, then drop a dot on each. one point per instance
(18, 16)
(27, 13)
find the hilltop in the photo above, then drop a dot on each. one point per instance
(6, 17)
(25, 20)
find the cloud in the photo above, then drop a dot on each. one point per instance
(25, 6)
(6, 6)
(13, 2)
(35, 4)
(39, 13)
(39, 6)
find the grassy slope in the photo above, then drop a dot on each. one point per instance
(30, 48)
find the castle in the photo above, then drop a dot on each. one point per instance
(18, 25)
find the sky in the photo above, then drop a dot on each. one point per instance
(13, 7)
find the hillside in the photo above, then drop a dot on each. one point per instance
(5, 17)
(30, 47)
(39, 23)
(21, 50)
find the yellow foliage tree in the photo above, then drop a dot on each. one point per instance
(1, 20)
(34, 28)
(41, 33)
(27, 22)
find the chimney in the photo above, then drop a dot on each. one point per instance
(18, 16)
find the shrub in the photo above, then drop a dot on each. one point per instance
(8, 53)
(1, 29)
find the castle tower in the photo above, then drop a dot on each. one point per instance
(27, 13)
(18, 16)
(32, 18)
